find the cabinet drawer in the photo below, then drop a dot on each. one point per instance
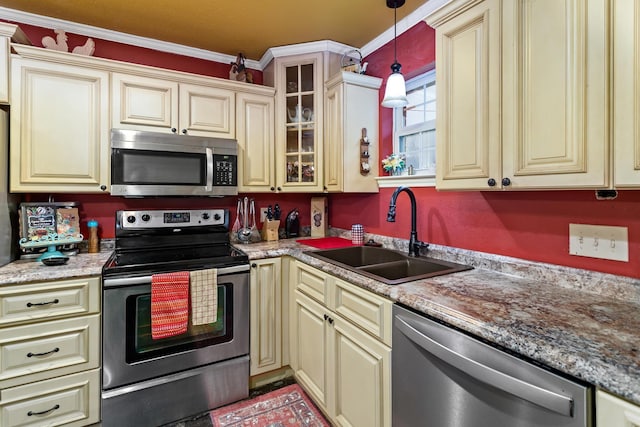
(49, 300)
(72, 400)
(363, 308)
(35, 352)
(310, 281)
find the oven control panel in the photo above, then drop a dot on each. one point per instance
(171, 218)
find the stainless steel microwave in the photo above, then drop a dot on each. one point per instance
(159, 164)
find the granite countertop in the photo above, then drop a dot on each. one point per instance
(582, 323)
(80, 265)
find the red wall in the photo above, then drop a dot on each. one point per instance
(531, 225)
(103, 207)
(138, 55)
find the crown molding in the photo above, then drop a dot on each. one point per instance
(302, 48)
(115, 36)
(325, 45)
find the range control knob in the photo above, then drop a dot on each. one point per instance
(131, 219)
(205, 215)
(217, 217)
(146, 217)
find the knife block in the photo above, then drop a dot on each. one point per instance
(269, 230)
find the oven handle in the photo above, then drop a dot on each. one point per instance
(141, 280)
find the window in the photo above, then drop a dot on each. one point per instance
(415, 131)
(415, 125)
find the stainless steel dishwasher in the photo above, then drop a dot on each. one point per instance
(442, 377)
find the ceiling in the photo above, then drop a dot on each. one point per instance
(247, 26)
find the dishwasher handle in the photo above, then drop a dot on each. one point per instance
(530, 392)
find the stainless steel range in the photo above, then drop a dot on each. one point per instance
(147, 381)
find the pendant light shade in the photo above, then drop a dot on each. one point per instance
(395, 94)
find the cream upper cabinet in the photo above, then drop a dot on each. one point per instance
(340, 338)
(155, 104)
(522, 94)
(255, 135)
(59, 127)
(611, 411)
(625, 117)
(299, 133)
(299, 117)
(8, 33)
(351, 111)
(266, 319)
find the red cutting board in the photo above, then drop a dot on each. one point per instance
(326, 242)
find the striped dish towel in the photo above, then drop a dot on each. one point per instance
(169, 304)
(204, 296)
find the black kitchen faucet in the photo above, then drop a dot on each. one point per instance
(415, 245)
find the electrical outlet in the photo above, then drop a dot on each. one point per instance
(263, 214)
(599, 241)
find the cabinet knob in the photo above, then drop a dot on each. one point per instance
(506, 182)
(273, 188)
(103, 187)
(491, 182)
(330, 321)
(184, 131)
(254, 265)
(279, 189)
(174, 130)
(325, 317)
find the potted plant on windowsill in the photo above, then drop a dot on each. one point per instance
(393, 164)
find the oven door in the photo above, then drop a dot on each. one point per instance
(131, 355)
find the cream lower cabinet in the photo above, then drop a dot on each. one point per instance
(256, 143)
(340, 347)
(59, 126)
(266, 315)
(522, 94)
(50, 347)
(351, 109)
(156, 104)
(611, 411)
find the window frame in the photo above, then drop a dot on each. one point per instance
(424, 180)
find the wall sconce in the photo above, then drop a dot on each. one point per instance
(395, 94)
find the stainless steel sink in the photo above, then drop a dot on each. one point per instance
(386, 265)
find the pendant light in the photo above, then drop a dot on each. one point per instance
(395, 94)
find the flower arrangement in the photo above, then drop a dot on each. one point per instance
(393, 164)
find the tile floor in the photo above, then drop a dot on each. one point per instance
(203, 420)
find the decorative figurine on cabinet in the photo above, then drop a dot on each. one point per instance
(239, 72)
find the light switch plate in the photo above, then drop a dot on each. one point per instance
(599, 241)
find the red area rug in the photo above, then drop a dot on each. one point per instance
(285, 407)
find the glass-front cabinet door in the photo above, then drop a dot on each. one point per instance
(299, 145)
